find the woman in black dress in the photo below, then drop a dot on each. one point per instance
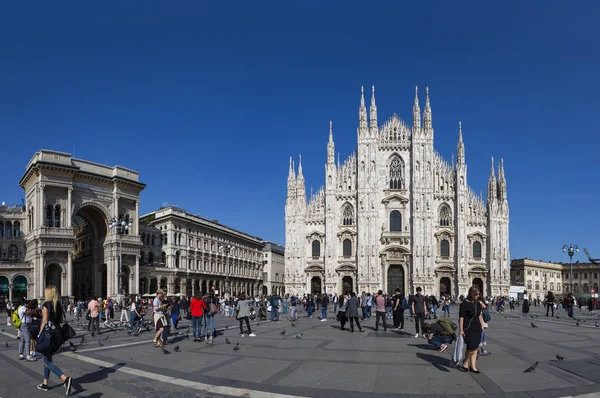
(470, 325)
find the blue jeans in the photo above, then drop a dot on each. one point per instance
(483, 336)
(324, 312)
(197, 326)
(437, 341)
(335, 307)
(25, 337)
(365, 312)
(50, 366)
(165, 333)
(309, 309)
(209, 319)
(274, 313)
(132, 318)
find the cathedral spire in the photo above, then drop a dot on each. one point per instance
(460, 149)
(291, 180)
(501, 180)
(492, 193)
(373, 113)
(300, 176)
(416, 112)
(427, 124)
(362, 114)
(330, 146)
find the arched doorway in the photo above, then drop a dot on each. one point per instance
(315, 285)
(153, 285)
(395, 278)
(90, 228)
(479, 283)
(346, 285)
(20, 287)
(53, 276)
(3, 288)
(445, 286)
(143, 286)
(163, 284)
(204, 288)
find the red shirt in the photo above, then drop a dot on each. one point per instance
(197, 306)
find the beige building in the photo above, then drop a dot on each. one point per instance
(184, 253)
(274, 268)
(14, 271)
(540, 276)
(62, 237)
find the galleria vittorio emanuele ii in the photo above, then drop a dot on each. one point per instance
(395, 214)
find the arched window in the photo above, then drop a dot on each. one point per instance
(57, 216)
(163, 257)
(397, 173)
(477, 250)
(8, 229)
(585, 288)
(316, 249)
(49, 216)
(151, 258)
(142, 257)
(17, 228)
(445, 248)
(395, 221)
(348, 215)
(537, 285)
(558, 287)
(445, 216)
(177, 258)
(347, 248)
(13, 252)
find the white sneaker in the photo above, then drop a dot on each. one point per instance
(243, 335)
(417, 335)
(31, 359)
(21, 356)
(252, 335)
(323, 320)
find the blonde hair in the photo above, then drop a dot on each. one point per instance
(51, 294)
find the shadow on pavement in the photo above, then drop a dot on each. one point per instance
(441, 363)
(94, 377)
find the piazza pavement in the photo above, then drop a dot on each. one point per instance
(325, 362)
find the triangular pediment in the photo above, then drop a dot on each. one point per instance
(314, 234)
(345, 267)
(478, 268)
(444, 232)
(346, 231)
(314, 267)
(476, 235)
(395, 197)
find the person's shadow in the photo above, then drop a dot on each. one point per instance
(89, 378)
(441, 363)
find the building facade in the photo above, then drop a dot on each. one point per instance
(274, 269)
(395, 214)
(539, 276)
(14, 271)
(185, 253)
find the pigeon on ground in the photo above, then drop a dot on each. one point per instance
(237, 344)
(557, 317)
(293, 325)
(485, 353)
(598, 326)
(577, 323)
(2, 330)
(506, 316)
(227, 340)
(533, 325)
(6, 344)
(164, 350)
(282, 333)
(235, 348)
(107, 337)
(299, 336)
(531, 368)
(100, 343)
(560, 358)
(176, 349)
(82, 338)
(71, 344)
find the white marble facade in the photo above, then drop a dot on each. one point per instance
(395, 214)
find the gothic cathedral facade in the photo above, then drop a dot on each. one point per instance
(395, 214)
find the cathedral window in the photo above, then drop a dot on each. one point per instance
(316, 249)
(395, 221)
(8, 229)
(151, 257)
(13, 252)
(348, 215)
(17, 228)
(177, 258)
(445, 248)
(347, 248)
(445, 216)
(477, 250)
(49, 216)
(397, 173)
(57, 216)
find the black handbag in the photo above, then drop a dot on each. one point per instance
(88, 316)
(67, 332)
(49, 340)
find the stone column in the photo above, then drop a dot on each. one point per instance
(10, 292)
(70, 268)
(136, 230)
(136, 283)
(193, 287)
(111, 275)
(40, 260)
(69, 210)
(41, 206)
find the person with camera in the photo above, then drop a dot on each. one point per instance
(160, 321)
(24, 316)
(440, 333)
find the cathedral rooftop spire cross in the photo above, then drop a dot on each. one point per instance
(373, 114)
(362, 115)
(427, 123)
(461, 146)
(416, 111)
(330, 145)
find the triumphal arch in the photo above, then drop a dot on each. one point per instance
(69, 205)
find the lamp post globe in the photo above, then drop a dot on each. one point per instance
(121, 226)
(570, 250)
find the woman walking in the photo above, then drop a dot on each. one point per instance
(341, 312)
(53, 313)
(243, 308)
(470, 325)
(352, 312)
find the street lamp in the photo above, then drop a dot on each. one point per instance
(120, 226)
(571, 250)
(226, 250)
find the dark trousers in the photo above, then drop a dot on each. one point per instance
(247, 324)
(94, 323)
(549, 306)
(420, 320)
(380, 314)
(352, 320)
(399, 319)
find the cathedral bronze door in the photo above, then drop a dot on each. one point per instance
(395, 279)
(445, 286)
(315, 285)
(479, 283)
(346, 285)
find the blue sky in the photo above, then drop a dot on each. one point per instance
(207, 100)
